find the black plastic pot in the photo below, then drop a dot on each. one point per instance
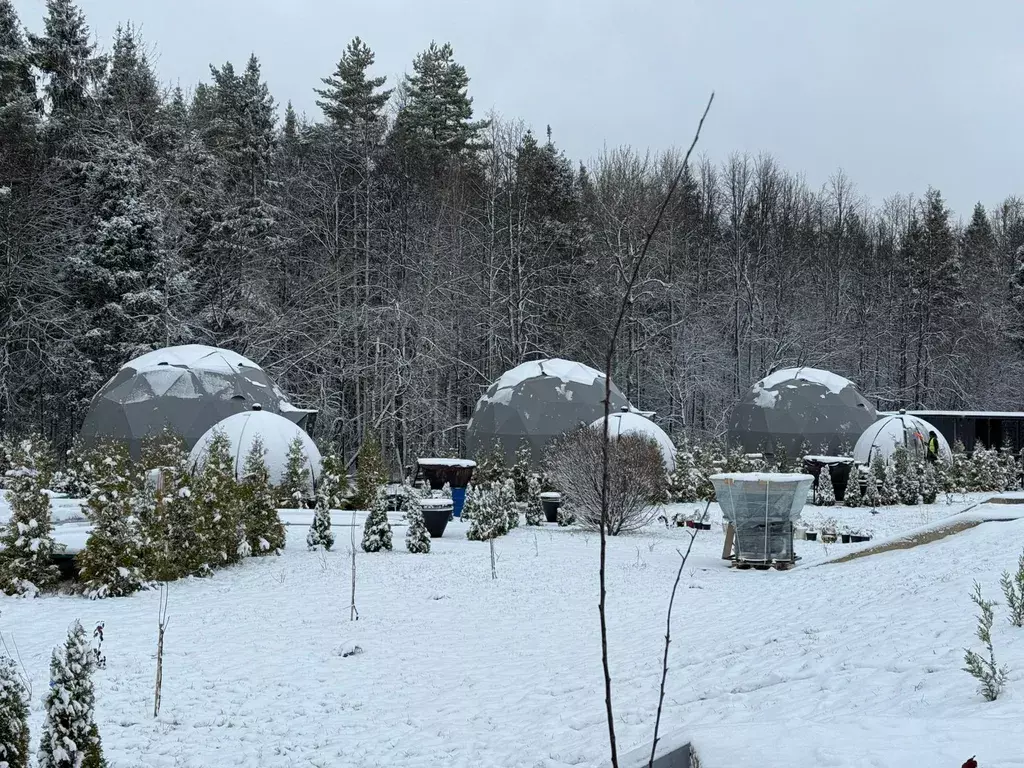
(550, 504)
(857, 538)
(811, 535)
(436, 518)
(702, 526)
(845, 537)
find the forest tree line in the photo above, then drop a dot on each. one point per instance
(388, 259)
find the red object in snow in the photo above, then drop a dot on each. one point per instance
(971, 763)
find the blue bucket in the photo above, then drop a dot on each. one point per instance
(458, 499)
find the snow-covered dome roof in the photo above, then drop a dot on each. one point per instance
(795, 406)
(538, 401)
(277, 434)
(882, 437)
(628, 422)
(187, 388)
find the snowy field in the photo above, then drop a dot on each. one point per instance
(854, 664)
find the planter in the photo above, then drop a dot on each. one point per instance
(845, 537)
(829, 538)
(811, 535)
(702, 526)
(550, 502)
(436, 513)
(455, 472)
(858, 538)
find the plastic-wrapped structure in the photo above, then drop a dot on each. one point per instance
(762, 507)
(627, 422)
(882, 437)
(795, 406)
(187, 389)
(277, 434)
(536, 402)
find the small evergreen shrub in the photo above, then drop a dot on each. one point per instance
(852, 495)
(329, 494)
(826, 492)
(489, 520)
(991, 677)
(13, 717)
(263, 531)
(906, 486)
(377, 529)
(417, 537)
(70, 738)
(520, 473)
(215, 507)
(168, 532)
(534, 510)
(296, 484)
(371, 472)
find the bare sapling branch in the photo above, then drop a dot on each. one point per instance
(684, 556)
(624, 307)
(353, 614)
(161, 629)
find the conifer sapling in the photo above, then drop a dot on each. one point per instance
(295, 483)
(852, 494)
(262, 526)
(991, 677)
(70, 738)
(534, 509)
(826, 492)
(1013, 591)
(14, 746)
(26, 560)
(328, 496)
(417, 537)
(377, 529)
(214, 503)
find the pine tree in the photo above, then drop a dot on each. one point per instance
(417, 537)
(264, 531)
(683, 482)
(872, 488)
(295, 484)
(64, 56)
(520, 473)
(329, 493)
(490, 468)
(14, 749)
(130, 97)
(906, 486)
(534, 510)
(489, 521)
(112, 563)
(927, 482)
(26, 560)
(215, 507)
(371, 472)
(826, 492)
(471, 505)
(888, 488)
(352, 101)
(377, 529)
(958, 479)
(18, 101)
(852, 495)
(70, 737)
(168, 531)
(506, 500)
(114, 269)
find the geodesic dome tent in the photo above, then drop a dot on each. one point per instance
(882, 437)
(628, 422)
(537, 402)
(796, 406)
(188, 389)
(277, 434)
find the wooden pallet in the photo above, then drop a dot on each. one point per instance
(746, 565)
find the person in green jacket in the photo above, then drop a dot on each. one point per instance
(933, 447)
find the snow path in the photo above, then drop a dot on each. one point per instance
(839, 665)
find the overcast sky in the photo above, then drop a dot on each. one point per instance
(901, 94)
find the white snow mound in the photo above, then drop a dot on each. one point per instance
(834, 383)
(199, 356)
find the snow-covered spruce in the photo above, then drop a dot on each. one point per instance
(534, 511)
(852, 494)
(70, 738)
(14, 745)
(906, 482)
(520, 473)
(329, 492)
(826, 492)
(215, 507)
(112, 563)
(377, 529)
(683, 482)
(471, 503)
(489, 520)
(295, 486)
(417, 537)
(371, 471)
(264, 531)
(167, 530)
(26, 564)
(507, 502)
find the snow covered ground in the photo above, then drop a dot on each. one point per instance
(854, 664)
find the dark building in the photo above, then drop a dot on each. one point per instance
(992, 428)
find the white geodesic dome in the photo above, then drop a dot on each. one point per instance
(629, 422)
(277, 433)
(882, 437)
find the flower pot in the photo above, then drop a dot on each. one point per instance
(436, 514)
(845, 537)
(829, 538)
(811, 535)
(857, 538)
(691, 523)
(702, 526)
(550, 502)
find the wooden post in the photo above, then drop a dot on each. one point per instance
(730, 535)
